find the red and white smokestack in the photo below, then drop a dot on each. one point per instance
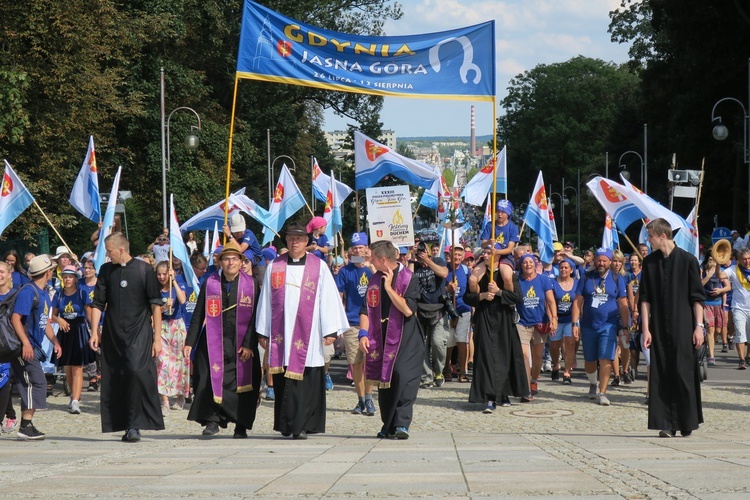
(473, 132)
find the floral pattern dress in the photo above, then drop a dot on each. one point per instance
(172, 367)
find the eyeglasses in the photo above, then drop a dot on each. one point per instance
(12, 262)
(230, 259)
(201, 269)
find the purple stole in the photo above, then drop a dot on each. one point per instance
(215, 334)
(383, 351)
(302, 326)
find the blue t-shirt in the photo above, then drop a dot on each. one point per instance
(462, 278)
(564, 300)
(38, 323)
(176, 306)
(252, 251)
(713, 283)
(503, 234)
(73, 306)
(600, 299)
(532, 309)
(17, 280)
(321, 241)
(191, 298)
(352, 281)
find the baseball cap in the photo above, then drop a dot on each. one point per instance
(557, 246)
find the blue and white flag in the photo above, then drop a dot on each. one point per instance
(483, 182)
(538, 218)
(85, 194)
(455, 64)
(179, 249)
(332, 212)
(14, 198)
(207, 243)
(287, 199)
(320, 182)
(610, 238)
(238, 202)
(215, 243)
(100, 255)
(373, 161)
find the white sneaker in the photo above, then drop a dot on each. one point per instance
(75, 408)
(603, 400)
(547, 366)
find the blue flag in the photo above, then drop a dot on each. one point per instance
(287, 199)
(14, 199)
(100, 255)
(538, 218)
(179, 249)
(85, 194)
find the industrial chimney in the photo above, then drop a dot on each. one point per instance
(473, 133)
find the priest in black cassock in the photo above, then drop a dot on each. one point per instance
(390, 337)
(130, 292)
(671, 302)
(226, 368)
(499, 368)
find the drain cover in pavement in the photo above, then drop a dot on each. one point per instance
(542, 413)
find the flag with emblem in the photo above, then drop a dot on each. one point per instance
(179, 249)
(100, 255)
(613, 200)
(373, 161)
(85, 194)
(538, 218)
(320, 183)
(455, 64)
(482, 183)
(215, 243)
(238, 202)
(287, 199)
(332, 212)
(431, 197)
(14, 198)
(610, 239)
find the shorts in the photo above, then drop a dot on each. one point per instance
(741, 321)
(30, 383)
(563, 330)
(530, 335)
(599, 343)
(714, 316)
(351, 343)
(460, 334)
(328, 352)
(508, 260)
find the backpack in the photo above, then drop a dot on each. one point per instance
(10, 344)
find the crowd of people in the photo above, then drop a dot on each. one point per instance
(262, 324)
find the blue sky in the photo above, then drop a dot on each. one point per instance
(528, 33)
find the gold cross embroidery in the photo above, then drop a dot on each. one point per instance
(374, 355)
(278, 338)
(299, 344)
(216, 367)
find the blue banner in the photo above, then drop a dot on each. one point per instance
(455, 64)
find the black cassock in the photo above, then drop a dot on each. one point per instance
(238, 408)
(129, 394)
(397, 402)
(671, 286)
(499, 368)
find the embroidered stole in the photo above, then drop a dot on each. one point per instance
(303, 324)
(215, 335)
(383, 351)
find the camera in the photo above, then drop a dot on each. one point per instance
(422, 247)
(448, 307)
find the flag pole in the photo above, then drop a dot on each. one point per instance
(494, 190)
(635, 249)
(229, 153)
(312, 180)
(700, 188)
(75, 257)
(171, 280)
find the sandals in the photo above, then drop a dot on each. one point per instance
(463, 378)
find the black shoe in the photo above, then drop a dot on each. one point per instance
(615, 382)
(93, 385)
(132, 436)
(30, 433)
(555, 375)
(504, 401)
(301, 435)
(239, 432)
(567, 380)
(685, 433)
(667, 434)
(212, 429)
(286, 434)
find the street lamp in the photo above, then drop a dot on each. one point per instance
(270, 179)
(721, 132)
(191, 142)
(624, 169)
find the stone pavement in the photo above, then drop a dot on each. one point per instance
(561, 445)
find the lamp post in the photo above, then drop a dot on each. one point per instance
(721, 132)
(563, 201)
(566, 201)
(191, 142)
(624, 167)
(270, 179)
